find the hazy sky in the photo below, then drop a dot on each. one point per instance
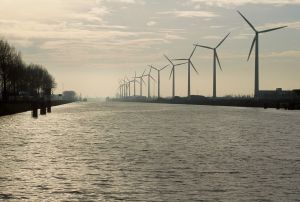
(89, 45)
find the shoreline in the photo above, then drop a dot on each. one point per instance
(24, 106)
(288, 104)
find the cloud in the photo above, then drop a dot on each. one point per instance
(23, 43)
(151, 23)
(224, 3)
(211, 37)
(216, 26)
(284, 54)
(280, 54)
(189, 14)
(122, 1)
(64, 30)
(241, 37)
(290, 25)
(174, 31)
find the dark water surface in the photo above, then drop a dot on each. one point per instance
(150, 152)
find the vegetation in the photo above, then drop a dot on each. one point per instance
(17, 78)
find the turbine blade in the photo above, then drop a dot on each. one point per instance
(269, 30)
(253, 42)
(150, 71)
(180, 64)
(194, 68)
(168, 59)
(143, 81)
(179, 59)
(154, 68)
(171, 72)
(218, 61)
(152, 78)
(163, 67)
(193, 52)
(223, 40)
(247, 21)
(144, 72)
(203, 46)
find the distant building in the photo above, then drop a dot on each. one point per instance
(277, 94)
(69, 95)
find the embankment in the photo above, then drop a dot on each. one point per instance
(291, 104)
(23, 106)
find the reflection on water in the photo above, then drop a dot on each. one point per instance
(150, 152)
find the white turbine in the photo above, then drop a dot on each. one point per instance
(255, 41)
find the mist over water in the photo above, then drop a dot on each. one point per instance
(150, 152)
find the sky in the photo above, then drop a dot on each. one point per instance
(90, 45)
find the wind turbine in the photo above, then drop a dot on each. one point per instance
(216, 58)
(255, 41)
(158, 77)
(125, 87)
(173, 72)
(189, 62)
(149, 79)
(119, 93)
(134, 81)
(141, 82)
(120, 89)
(128, 86)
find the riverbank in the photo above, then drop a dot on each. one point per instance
(290, 104)
(23, 106)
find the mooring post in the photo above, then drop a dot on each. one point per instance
(43, 107)
(48, 99)
(34, 109)
(49, 106)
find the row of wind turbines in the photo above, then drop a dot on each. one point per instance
(124, 87)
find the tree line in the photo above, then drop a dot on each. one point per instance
(17, 77)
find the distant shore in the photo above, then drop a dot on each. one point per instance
(23, 106)
(289, 104)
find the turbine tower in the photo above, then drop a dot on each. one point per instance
(120, 89)
(215, 59)
(134, 81)
(158, 78)
(125, 87)
(128, 86)
(173, 73)
(141, 82)
(149, 79)
(255, 41)
(123, 90)
(189, 62)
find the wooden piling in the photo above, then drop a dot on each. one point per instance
(34, 108)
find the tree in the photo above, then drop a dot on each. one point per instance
(16, 76)
(5, 58)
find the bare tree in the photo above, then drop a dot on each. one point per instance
(16, 76)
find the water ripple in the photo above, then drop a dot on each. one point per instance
(150, 152)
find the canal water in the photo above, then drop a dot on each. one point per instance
(150, 152)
